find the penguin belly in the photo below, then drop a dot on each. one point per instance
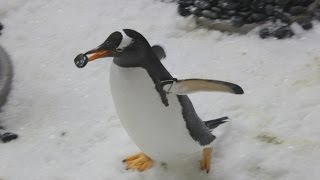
(159, 131)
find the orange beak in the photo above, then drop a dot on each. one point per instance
(96, 54)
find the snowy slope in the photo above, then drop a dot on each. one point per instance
(68, 126)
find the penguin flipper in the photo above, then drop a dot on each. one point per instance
(212, 124)
(159, 51)
(188, 86)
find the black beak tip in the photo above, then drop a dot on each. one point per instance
(236, 89)
(81, 60)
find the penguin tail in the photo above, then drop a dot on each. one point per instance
(211, 124)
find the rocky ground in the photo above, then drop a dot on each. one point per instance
(237, 16)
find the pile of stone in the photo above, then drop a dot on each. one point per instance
(243, 15)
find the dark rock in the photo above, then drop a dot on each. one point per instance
(231, 12)
(196, 12)
(284, 17)
(283, 32)
(7, 137)
(245, 13)
(282, 2)
(81, 60)
(249, 20)
(1, 26)
(245, 3)
(202, 4)
(213, 2)
(278, 8)
(258, 5)
(185, 3)
(258, 17)
(307, 2)
(209, 14)
(264, 33)
(269, 9)
(242, 12)
(306, 25)
(216, 10)
(184, 11)
(225, 16)
(237, 21)
(272, 18)
(245, 9)
(296, 10)
(316, 14)
(299, 2)
(228, 4)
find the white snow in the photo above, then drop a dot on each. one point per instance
(65, 116)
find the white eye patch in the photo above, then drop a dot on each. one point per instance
(125, 42)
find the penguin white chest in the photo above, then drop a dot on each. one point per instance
(158, 130)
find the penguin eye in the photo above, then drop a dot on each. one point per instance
(119, 49)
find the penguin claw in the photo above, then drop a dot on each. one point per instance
(204, 166)
(140, 162)
(130, 158)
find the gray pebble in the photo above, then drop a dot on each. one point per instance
(216, 10)
(296, 10)
(245, 13)
(258, 17)
(269, 9)
(225, 16)
(283, 32)
(202, 4)
(282, 2)
(237, 21)
(228, 4)
(316, 14)
(306, 25)
(209, 14)
(231, 12)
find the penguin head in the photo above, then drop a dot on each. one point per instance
(127, 47)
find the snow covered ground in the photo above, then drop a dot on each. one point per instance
(67, 123)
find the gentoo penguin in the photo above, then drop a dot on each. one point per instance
(152, 105)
